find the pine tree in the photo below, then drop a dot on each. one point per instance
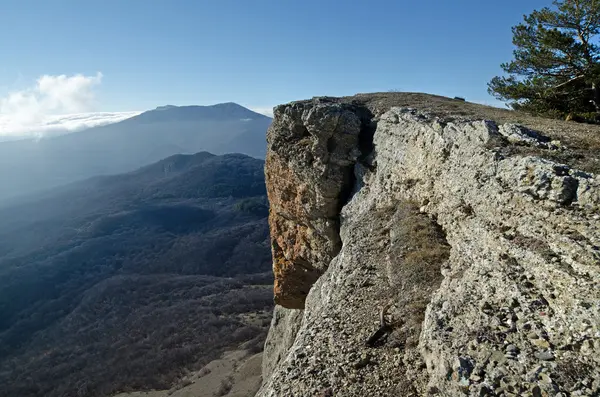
(556, 65)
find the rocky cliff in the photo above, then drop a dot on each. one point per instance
(427, 246)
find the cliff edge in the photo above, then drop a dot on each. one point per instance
(428, 246)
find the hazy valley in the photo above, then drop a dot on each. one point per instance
(121, 282)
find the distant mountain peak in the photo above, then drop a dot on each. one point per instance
(222, 106)
(227, 111)
(31, 166)
(230, 105)
(165, 107)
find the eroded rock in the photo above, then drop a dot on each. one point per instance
(311, 153)
(514, 307)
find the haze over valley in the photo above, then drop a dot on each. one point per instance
(123, 282)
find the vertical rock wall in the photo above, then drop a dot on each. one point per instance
(312, 148)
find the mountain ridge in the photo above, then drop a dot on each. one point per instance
(219, 111)
(28, 166)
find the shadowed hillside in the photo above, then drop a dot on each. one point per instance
(120, 283)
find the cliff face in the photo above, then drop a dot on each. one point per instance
(432, 254)
(309, 170)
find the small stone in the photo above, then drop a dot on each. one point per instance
(497, 357)
(587, 347)
(544, 378)
(363, 361)
(544, 355)
(544, 344)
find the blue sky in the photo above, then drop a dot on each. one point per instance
(257, 53)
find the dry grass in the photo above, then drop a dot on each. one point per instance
(582, 140)
(418, 250)
(420, 246)
(569, 371)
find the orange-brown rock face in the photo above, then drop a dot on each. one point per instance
(311, 152)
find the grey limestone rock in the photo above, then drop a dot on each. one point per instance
(494, 290)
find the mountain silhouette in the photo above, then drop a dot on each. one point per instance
(28, 166)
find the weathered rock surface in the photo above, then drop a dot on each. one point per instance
(311, 153)
(284, 327)
(489, 260)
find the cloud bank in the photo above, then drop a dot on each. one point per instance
(54, 105)
(267, 111)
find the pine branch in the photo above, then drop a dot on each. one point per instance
(576, 78)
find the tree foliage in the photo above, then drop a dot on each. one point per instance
(556, 68)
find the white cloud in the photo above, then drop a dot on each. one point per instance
(53, 125)
(54, 105)
(267, 111)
